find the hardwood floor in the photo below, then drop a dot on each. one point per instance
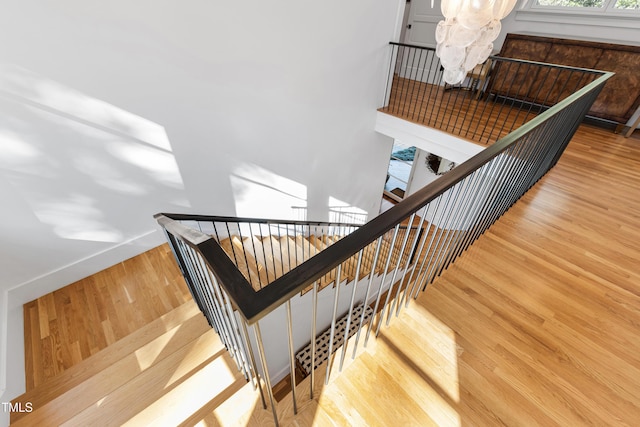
(481, 120)
(535, 325)
(67, 326)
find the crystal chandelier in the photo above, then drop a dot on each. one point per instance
(465, 38)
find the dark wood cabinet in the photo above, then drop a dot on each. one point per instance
(620, 96)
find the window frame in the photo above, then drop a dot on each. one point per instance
(608, 9)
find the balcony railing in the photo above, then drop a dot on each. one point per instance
(240, 271)
(495, 98)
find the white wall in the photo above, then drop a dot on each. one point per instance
(434, 141)
(276, 347)
(113, 111)
(421, 175)
(594, 27)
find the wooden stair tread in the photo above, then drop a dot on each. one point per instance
(117, 366)
(272, 254)
(266, 258)
(317, 242)
(245, 261)
(129, 405)
(77, 374)
(255, 264)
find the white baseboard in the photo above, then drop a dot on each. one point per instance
(12, 378)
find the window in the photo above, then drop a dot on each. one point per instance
(589, 5)
(627, 4)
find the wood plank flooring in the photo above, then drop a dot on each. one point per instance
(69, 325)
(535, 325)
(481, 120)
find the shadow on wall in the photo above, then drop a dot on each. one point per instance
(261, 193)
(79, 168)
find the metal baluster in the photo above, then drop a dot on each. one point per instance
(236, 329)
(292, 359)
(244, 254)
(442, 241)
(226, 317)
(265, 370)
(390, 74)
(173, 244)
(257, 384)
(400, 91)
(474, 212)
(404, 273)
(233, 250)
(333, 323)
(458, 213)
(207, 304)
(395, 272)
(424, 264)
(366, 296)
(314, 317)
(490, 190)
(416, 82)
(273, 255)
(255, 258)
(416, 271)
(353, 298)
(279, 241)
(264, 256)
(291, 262)
(431, 249)
(384, 275)
(380, 285)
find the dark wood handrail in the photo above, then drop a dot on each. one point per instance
(256, 304)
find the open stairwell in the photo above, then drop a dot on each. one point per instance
(177, 371)
(162, 374)
(174, 371)
(262, 259)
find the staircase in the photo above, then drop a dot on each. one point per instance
(173, 359)
(174, 371)
(263, 259)
(181, 362)
(181, 368)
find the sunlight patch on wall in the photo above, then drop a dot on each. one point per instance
(87, 169)
(29, 86)
(260, 193)
(15, 150)
(340, 211)
(77, 218)
(107, 175)
(160, 165)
